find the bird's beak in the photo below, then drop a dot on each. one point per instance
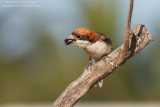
(69, 41)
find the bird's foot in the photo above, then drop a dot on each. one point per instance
(89, 64)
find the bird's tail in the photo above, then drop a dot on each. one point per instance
(100, 84)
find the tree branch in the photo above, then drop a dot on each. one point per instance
(140, 38)
(127, 30)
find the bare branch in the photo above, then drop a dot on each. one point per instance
(103, 68)
(127, 30)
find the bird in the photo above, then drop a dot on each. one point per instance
(95, 44)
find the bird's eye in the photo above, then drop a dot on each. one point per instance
(78, 36)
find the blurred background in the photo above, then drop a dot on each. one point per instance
(36, 66)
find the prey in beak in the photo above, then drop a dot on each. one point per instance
(69, 41)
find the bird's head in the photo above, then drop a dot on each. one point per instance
(80, 35)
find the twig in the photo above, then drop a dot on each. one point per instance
(127, 30)
(103, 68)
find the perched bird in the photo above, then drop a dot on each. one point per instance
(95, 44)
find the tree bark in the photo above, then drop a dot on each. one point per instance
(127, 30)
(91, 76)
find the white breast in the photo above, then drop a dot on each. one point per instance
(98, 49)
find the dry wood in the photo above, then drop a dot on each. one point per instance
(137, 41)
(127, 30)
